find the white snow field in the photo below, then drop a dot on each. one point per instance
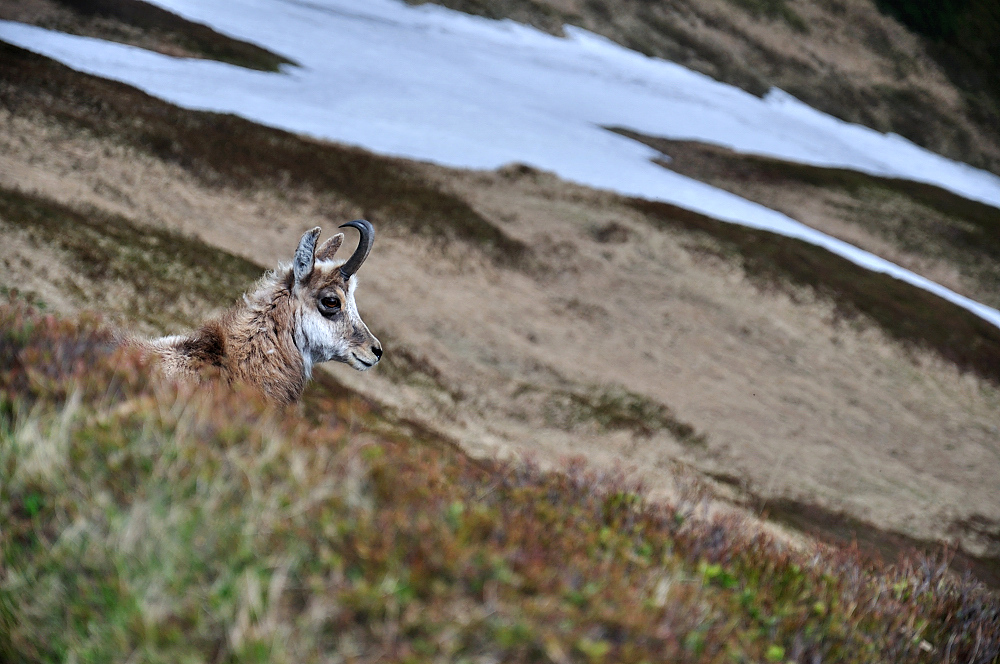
(432, 84)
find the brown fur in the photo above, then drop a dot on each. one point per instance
(254, 342)
(251, 343)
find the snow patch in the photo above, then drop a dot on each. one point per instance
(431, 84)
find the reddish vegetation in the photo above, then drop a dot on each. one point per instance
(383, 547)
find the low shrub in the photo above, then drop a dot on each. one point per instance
(152, 521)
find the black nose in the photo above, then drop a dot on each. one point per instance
(378, 351)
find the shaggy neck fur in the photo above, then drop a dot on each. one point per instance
(252, 343)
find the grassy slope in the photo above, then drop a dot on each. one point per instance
(964, 37)
(86, 108)
(143, 523)
(159, 268)
(919, 218)
(106, 250)
(224, 150)
(229, 151)
(908, 314)
(141, 24)
(152, 273)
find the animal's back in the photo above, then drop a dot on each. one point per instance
(184, 356)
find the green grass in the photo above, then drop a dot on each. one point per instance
(224, 150)
(193, 37)
(845, 530)
(161, 269)
(904, 312)
(149, 522)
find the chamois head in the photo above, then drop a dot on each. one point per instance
(327, 324)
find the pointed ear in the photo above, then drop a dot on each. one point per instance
(305, 256)
(329, 248)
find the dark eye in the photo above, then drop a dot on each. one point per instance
(330, 303)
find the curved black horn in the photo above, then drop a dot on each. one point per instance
(364, 246)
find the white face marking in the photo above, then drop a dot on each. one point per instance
(341, 336)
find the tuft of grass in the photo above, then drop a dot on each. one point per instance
(225, 150)
(161, 268)
(154, 521)
(904, 312)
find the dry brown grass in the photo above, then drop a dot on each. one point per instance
(228, 151)
(935, 233)
(160, 278)
(790, 396)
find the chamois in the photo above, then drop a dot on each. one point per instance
(297, 316)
